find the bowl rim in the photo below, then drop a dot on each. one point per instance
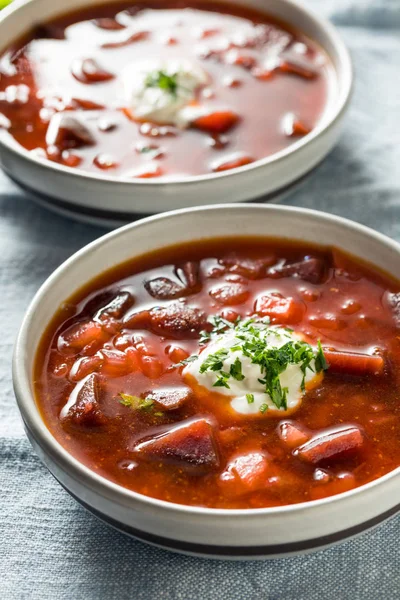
(344, 76)
(107, 488)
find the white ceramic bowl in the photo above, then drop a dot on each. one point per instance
(112, 201)
(221, 533)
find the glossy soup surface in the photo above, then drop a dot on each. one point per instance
(266, 86)
(127, 330)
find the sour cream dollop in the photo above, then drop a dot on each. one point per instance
(226, 365)
(160, 91)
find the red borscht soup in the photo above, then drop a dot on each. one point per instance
(162, 88)
(229, 373)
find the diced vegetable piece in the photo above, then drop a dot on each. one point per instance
(190, 446)
(231, 435)
(278, 308)
(332, 444)
(84, 104)
(138, 36)
(252, 268)
(108, 23)
(292, 434)
(88, 70)
(310, 269)
(233, 164)
(116, 307)
(174, 320)
(170, 398)
(66, 132)
(302, 69)
(84, 366)
(116, 363)
(176, 354)
(246, 473)
(151, 366)
(343, 482)
(163, 288)
(79, 335)
(189, 273)
(216, 122)
(353, 363)
(230, 295)
(86, 410)
(330, 322)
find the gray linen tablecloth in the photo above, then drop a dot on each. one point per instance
(50, 548)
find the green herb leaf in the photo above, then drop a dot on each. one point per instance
(250, 398)
(236, 370)
(162, 80)
(321, 363)
(187, 361)
(214, 362)
(135, 402)
(263, 408)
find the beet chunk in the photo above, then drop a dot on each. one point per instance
(190, 445)
(67, 132)
(310, 269)
(230, 294)
(116, 307)
(252, 268)
(331, 444)
(86, 411)
(189, 274)
(174, 320)
(163, 288)
(170, 398)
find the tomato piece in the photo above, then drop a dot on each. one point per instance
(245, 473)
(190, 445)
(216, 122)
(279, 309)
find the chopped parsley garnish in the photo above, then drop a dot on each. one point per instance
(236, 370)
(164, 81)
(214, 362)
(320, 360)
(250, 398)
(135, 402)
(186, 361)
(252, 335)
